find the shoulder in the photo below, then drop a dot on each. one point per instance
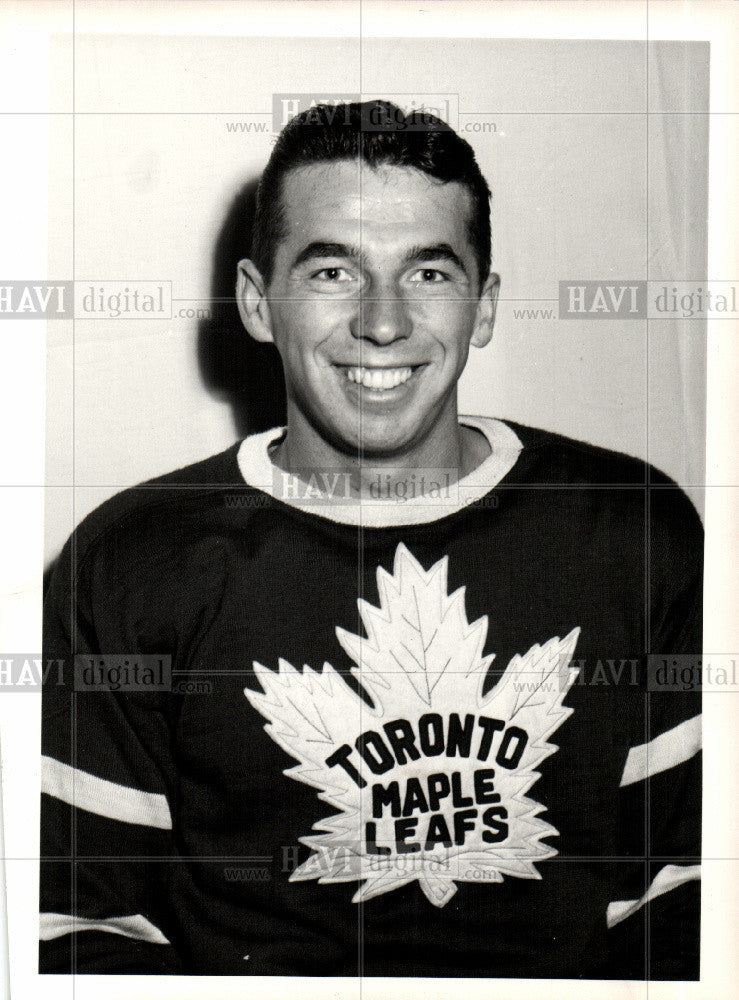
(622, 483)
(560, 459)
(162, 506)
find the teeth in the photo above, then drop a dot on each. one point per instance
(379, 378)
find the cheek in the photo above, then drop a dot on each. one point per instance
(305, 323)
(292, 330)
(300, 333)
(448, 322)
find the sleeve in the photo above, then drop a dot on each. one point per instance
(655, 921)
(106, 827)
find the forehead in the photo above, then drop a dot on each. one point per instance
(350, 200)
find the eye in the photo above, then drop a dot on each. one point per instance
(429, 276)
(331, 274)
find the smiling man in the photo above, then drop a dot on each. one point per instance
(411, 727)
(375, 294)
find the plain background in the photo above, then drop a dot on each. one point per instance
(598, 165)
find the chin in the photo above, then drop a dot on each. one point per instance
(380, 446)
(376, 435)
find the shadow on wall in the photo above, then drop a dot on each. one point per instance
(233, 366)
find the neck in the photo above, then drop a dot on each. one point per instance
(449, 449)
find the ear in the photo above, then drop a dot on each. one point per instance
(251, 298)
(485, 318)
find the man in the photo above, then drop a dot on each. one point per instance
(405, 738)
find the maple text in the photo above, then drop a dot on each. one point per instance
(438, 789)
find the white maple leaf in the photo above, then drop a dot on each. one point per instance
(423, 670)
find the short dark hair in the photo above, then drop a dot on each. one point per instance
(380, 134)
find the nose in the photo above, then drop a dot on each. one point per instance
(382, 318)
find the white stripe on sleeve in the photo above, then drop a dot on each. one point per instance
(669, 877)
(664, 751)
(54, 925)
(105, 798)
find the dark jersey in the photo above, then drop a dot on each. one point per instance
(407, 741)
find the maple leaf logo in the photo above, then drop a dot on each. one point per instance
(428, 776)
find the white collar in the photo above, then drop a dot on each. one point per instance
(326, 499)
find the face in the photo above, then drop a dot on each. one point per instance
(373, 303)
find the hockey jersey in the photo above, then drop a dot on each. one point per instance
(294, 734)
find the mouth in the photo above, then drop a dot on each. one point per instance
(380, 380)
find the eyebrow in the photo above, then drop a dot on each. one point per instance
(439, 251)
(320, 249)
